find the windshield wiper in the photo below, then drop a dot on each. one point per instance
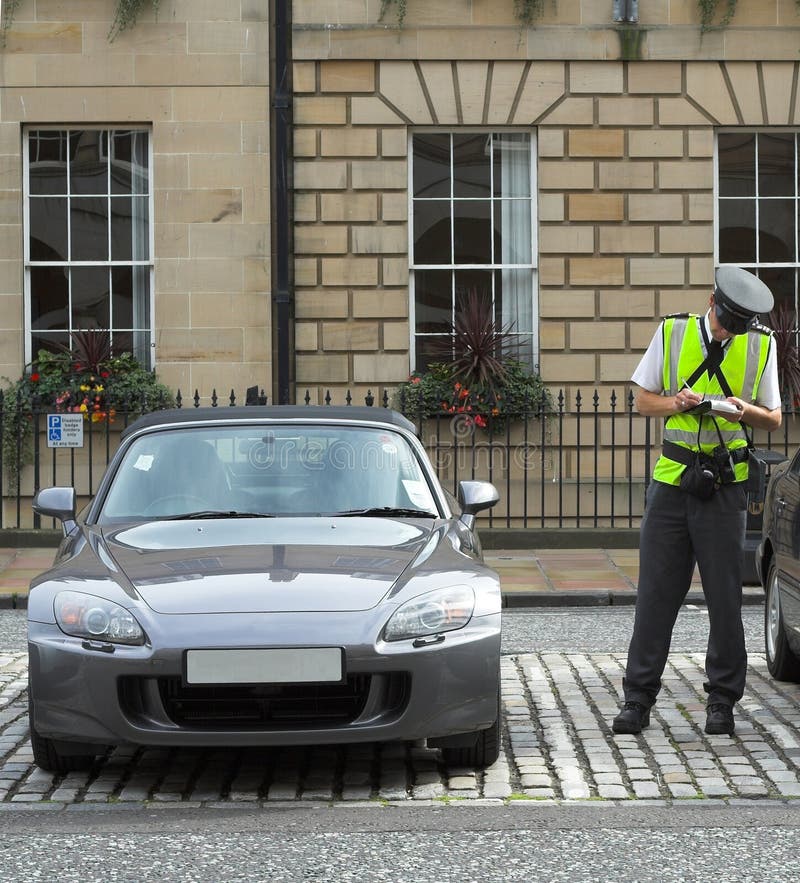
(388, 512)
(214, 513)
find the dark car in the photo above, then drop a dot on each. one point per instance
(266, 576)
(778, 560)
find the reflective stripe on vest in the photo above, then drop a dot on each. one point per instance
(742, 365)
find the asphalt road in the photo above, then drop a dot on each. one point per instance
(420, 845)
(470, 840)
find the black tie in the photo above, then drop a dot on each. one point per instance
(715, 354)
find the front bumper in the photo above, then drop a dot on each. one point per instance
(136, 695)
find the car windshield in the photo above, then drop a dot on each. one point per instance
(238, 471)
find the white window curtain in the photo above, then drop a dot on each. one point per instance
(516, 239)
(140, 247)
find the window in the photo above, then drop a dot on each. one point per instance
(472, 229)
(88, 250)
(757, 207)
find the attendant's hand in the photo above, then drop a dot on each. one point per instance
(742, 408)
(686, 399)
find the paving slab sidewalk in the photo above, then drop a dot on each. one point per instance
(529, 577)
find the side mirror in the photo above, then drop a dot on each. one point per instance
(474, 496)
(57, 502)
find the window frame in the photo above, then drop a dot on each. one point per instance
(109, 128)
(756, 265)
(533, 266)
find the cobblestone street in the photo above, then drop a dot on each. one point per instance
(557, 746)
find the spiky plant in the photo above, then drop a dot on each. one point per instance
(783, 321)
(91, 348)
(478, 342)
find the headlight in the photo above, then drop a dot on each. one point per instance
(87, 616)
(441, 611)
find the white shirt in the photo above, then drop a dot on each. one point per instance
(649, 373)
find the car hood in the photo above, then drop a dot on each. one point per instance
(266, 565)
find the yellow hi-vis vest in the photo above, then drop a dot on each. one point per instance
(742, 366)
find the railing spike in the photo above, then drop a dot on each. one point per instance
(196, 399)
(178, 399)
(369, 399)
(214, 398)
(233, 398)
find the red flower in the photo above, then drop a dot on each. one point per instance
(35, 377)
(479, 420)
(105, 374)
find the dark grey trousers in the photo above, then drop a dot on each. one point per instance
(677, 531)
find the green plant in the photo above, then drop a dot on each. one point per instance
(126, 13)
(708, 11)
(87, 380)
(783, 322)
(9, 7)
(437, 391)
(480, 379)
(526, 11)
(400, 5)
(477, 343)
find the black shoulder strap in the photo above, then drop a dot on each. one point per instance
(712, 363)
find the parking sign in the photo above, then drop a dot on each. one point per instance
(65, 430)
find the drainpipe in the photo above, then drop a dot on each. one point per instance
(625, 10)
(280, 52)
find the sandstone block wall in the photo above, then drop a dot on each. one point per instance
(198, 76)
(625, 176)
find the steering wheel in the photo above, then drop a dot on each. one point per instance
(175, 504)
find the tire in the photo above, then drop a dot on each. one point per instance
(782, 663)
(483, 753)
(46, 756)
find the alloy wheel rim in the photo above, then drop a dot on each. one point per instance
(774, 617)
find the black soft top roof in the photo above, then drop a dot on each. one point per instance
(271, 412)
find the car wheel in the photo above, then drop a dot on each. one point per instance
(781, 661)
(483, 753)
(46, 756)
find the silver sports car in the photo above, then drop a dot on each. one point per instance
(266, 576)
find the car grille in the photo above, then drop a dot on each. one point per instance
(265, 706)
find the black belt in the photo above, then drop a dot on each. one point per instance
(685, 456)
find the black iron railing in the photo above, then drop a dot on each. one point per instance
(565, 464)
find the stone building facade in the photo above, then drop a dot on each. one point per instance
(627, 119)
(624, 122)
(194, 81)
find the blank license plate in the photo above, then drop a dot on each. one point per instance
(273, 666)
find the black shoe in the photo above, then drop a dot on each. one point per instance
(633, 718)
(719, 720)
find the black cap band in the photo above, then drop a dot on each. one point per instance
(727, 304)
(732, 319)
